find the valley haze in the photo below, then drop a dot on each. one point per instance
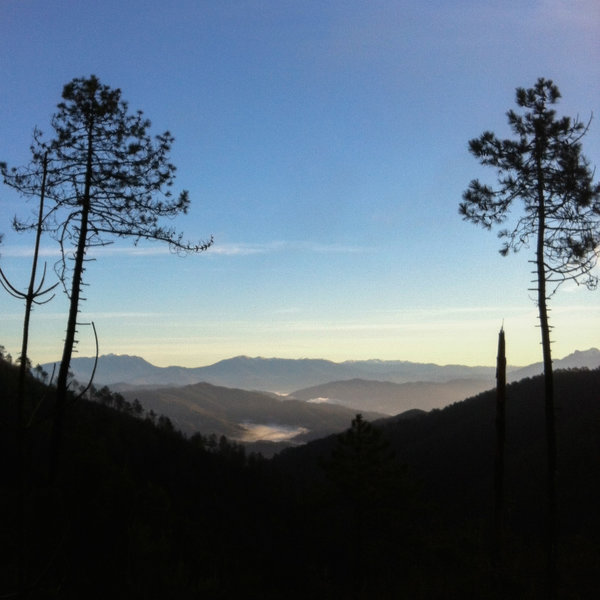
(287, 375)
(271, 403)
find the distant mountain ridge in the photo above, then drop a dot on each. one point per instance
(266, 374)
(580, 359)
(392, 398)
(286, 375)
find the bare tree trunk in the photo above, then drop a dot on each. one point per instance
(551, 452)
(63, 373)
(32, 293)
(499, 458)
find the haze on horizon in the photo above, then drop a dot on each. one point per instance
(325, 148)
(309, 358)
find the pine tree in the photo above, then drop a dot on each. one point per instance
(106, 178)
(545, 169)
(369, 478)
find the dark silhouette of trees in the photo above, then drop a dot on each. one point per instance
(36, 294)
(371, 481)
(106, 178)
(545, 169)
(147, 513)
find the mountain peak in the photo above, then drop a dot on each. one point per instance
(588, 352)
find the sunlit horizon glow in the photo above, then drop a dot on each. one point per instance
(324, 145)
(417, 336)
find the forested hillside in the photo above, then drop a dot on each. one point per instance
(400, 509)
(206, 408)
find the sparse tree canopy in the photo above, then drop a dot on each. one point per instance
(545, 169)
(106, 178)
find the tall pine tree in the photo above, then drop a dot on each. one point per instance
(544, 168)
(106, 178)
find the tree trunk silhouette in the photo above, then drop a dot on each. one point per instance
(543, 167)
(497, 558)
(551, 452)
(62, 382)
(34, 294)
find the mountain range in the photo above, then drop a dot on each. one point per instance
(286, 375)
(320, 397)
(266, 374)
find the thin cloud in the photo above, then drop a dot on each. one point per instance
(85, 317)
(218, 249)
(247, 249)
(27, 252)
(436, 312)
(240, 249)
(158, 250)
(129, 315)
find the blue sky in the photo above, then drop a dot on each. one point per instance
(324, 145)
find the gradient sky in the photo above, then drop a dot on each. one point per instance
(324, 145)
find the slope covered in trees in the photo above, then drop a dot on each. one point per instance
(450, 458)
(140, 511)
(245, 416)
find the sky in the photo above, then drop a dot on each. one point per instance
(325, 147)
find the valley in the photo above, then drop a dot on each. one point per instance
(286, 402)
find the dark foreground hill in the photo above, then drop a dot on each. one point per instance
(139, 511)
(452, 448)
(450, 453)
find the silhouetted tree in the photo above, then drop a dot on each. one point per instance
(499, 456)
(36, 294)
(40, 373)
(545, 169)
(364, 469)
(107, 178)
(137, 408)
